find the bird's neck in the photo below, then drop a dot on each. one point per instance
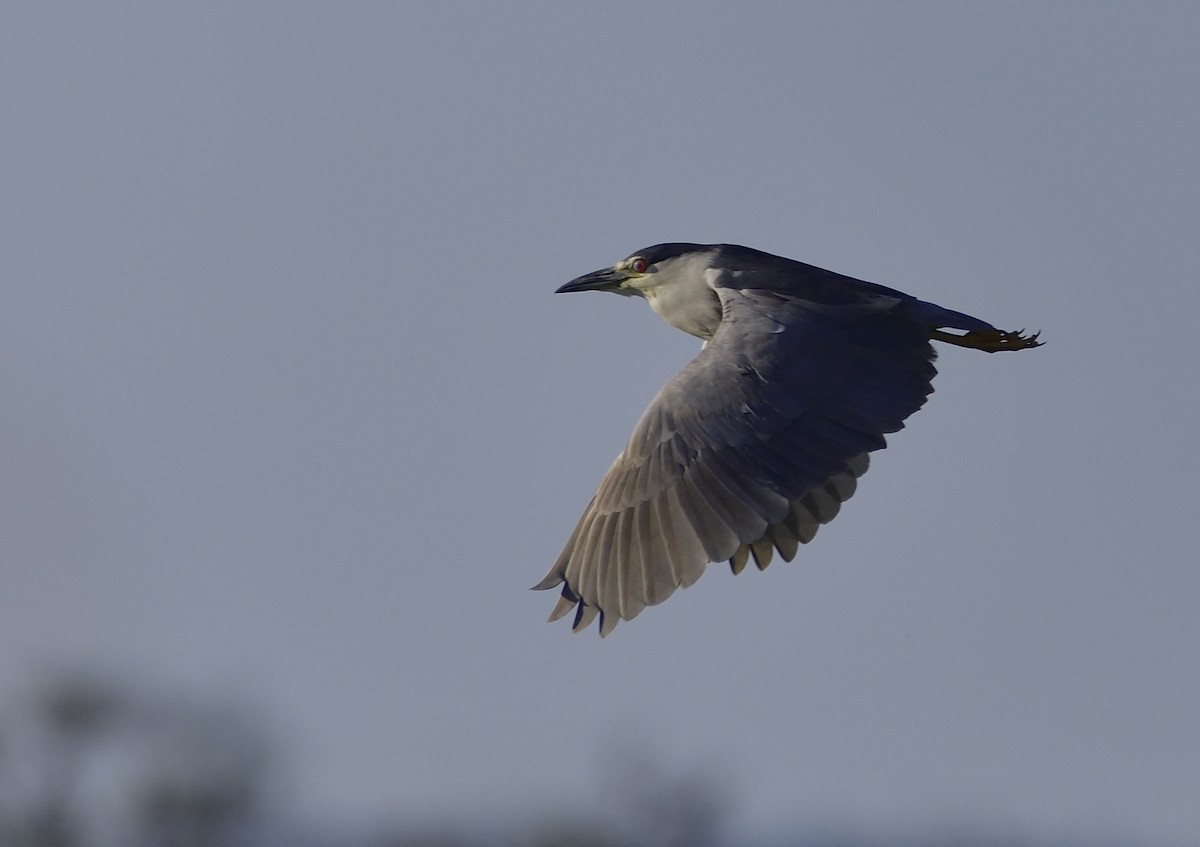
(686, 302)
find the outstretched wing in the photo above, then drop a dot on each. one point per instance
(749, 448)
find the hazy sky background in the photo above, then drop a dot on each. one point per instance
(292, 414)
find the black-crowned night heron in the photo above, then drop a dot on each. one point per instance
(760, 438)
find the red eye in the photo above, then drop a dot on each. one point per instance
(639, 265)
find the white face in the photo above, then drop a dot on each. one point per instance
(678, 289)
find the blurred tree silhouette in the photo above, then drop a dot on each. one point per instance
(643, 805)
(651, 807)
(87, 762)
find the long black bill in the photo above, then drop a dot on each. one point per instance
(605, 280)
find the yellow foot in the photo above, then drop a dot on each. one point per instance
(989, 340)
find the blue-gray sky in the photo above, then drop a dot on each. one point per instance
(291, 410)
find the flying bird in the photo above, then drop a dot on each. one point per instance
(759, 439)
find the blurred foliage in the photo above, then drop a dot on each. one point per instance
(91, 763)
(88, 762)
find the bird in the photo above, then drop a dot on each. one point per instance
(758, 440)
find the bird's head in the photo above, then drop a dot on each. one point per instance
(647, 270)
(675, 279)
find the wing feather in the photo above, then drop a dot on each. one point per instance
(707, 521)
(658, 581)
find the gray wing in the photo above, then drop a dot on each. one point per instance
(748, 449)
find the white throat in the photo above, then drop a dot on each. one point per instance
(679, 292)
